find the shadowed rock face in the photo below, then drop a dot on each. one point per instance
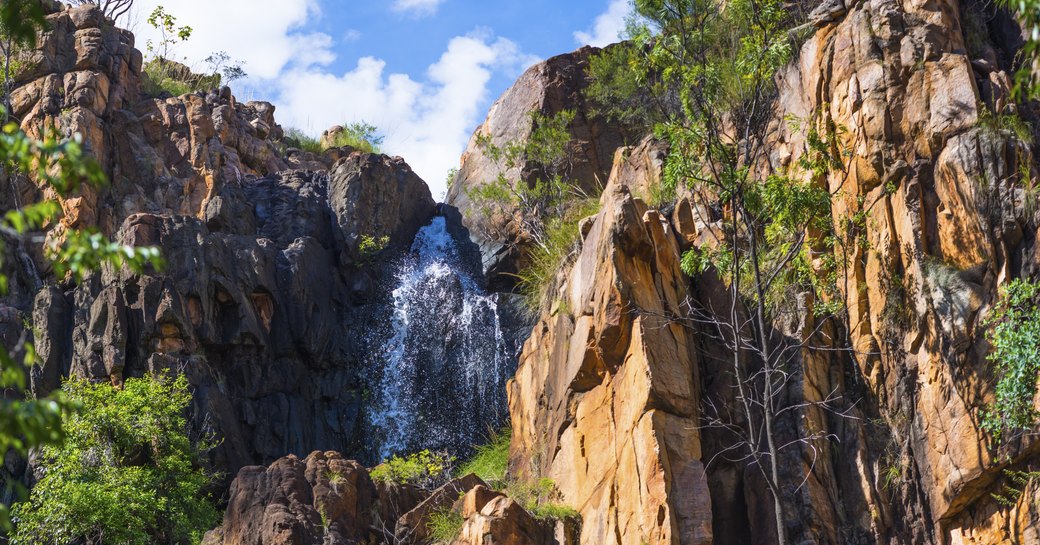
(262, 306)
(262, 298)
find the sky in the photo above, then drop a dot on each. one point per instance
(425, 72)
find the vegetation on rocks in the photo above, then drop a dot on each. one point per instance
(61, 166)
(126, 473)
(445, 525)
(424, 469)
(546, 209)
(1014, 334)
(164, 75)
(359, 135)
(491, 460)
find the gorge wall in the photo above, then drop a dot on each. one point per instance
(606, 398)
(265, 287)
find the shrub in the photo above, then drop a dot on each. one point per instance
(295, 138)
(1015, 337)
(369, 246)
(444, 525)
(127, 472)
(545, 260)
(424, 469)
(540, 499)
(359, 135)
(491, 461)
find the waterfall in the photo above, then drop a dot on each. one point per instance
(444, 360)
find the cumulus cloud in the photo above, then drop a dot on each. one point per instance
(427, 122)
(417, 7)
(606, 27)
(427, 118)
(266, 35)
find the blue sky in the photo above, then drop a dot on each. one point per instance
(424, 71)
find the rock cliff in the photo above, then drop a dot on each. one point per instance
(606, 399)
(263, 284)
(265, 290)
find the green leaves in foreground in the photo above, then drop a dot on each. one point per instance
(1014, 335)
(127, 472)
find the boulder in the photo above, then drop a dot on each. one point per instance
(502, 521)
(412, 526)
(320, 499)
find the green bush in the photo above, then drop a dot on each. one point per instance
(444, 525)
(163, 76)
(295, 138)
(370, 246)
(127, 472)
(360, 135)
(540, 499)
(1014, 334)
(491, 461)
(424, 469)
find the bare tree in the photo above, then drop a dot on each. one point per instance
(774, 234)
(113, 9)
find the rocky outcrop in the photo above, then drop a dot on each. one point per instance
(162, 155)
(263, 283)
(605, 401)
(320, 499)
(548, 88)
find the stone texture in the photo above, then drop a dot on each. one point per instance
(605, 399)
(412, 526)
(502, 521)
(548, 87)
(322, 499)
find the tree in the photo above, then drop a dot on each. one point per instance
(221, 63)
(544, 205)
(709, 69)
(113, 9)
(127, 472)
(1027, 78)
(60, 166)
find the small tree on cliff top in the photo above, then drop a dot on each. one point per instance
(710, 69)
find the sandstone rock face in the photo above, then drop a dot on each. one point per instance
(605, 401)
(946, 223)
(503, 522)
(412, 526)
(607, 397)
(548, 88)
(162, 155)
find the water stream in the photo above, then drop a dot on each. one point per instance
(444, 360)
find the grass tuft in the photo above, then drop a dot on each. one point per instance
(491, 461)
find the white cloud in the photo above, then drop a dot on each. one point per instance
(607, 27)
(417, 8)
(264, 34)
(351, 35)
(427, 118)
(428, 122)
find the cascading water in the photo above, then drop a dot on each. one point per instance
(445, 360)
